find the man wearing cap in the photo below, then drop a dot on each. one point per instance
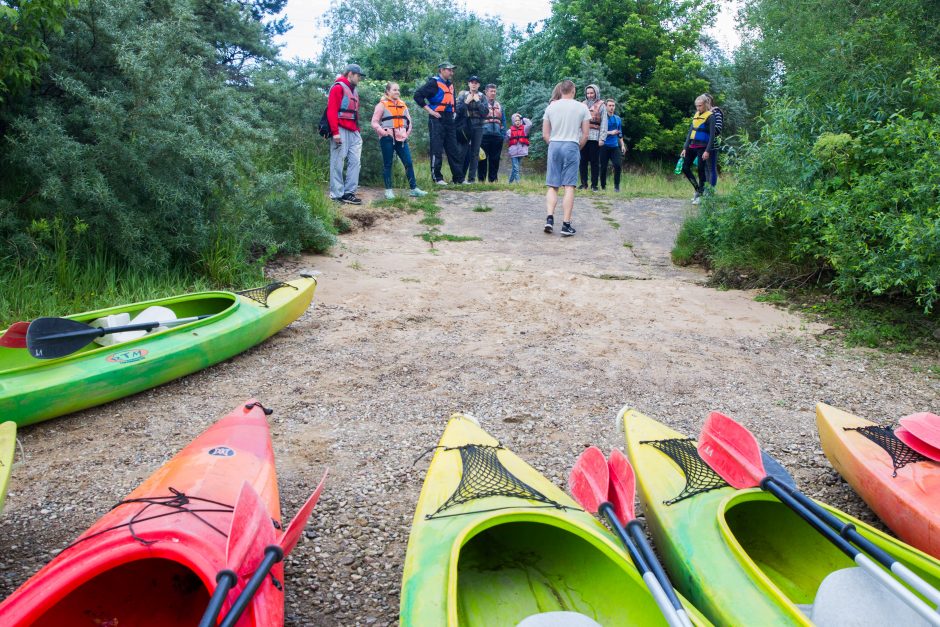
(471, 113)
(436, 97)
(342, 114)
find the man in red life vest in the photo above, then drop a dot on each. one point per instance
(436, 97)
(342, 114)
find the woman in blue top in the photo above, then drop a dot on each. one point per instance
(613, 146)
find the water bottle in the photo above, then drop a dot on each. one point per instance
(679, 164)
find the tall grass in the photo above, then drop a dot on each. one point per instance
(312, 174)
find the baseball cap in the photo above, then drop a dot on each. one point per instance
(354, 68)
(446, 65)
(473, 78)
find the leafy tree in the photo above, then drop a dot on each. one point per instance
(23, 24)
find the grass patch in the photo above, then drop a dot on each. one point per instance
(408, 279)
(482, 209)
(628, 244)
(356, 266)
(771, 296)
(612, 222)
(432, 220)
(447, 237)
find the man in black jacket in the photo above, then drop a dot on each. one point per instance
(471, 112)
(436, 97)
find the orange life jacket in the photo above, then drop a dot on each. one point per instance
(595, 110)
(394, 114)
(349, 107)
(517, 135)
(443, 100)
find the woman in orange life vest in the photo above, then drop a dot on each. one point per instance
(518, 136)
(699, 143)
(392, 123)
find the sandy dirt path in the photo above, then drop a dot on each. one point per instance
(544, 339)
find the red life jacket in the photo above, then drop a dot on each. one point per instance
(517, 135)
(349, 107)
(443, 100)
(595, 110)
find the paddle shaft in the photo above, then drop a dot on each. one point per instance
(908, 597)
(847, 531)
(655, 588)
(226, 580)
(272, 555)
(93, 332)
(635, 529)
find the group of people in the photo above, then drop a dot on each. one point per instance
(469, 128)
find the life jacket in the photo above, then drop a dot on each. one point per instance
(443, 100)
(595, 110)
(349, 107)
(517, 135)
(394, 116)
(495, 114)
(699, 132)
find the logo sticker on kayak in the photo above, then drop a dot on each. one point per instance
(222, 451)
(128, 357)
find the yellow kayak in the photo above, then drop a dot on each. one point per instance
(496, 543)
(7, 444)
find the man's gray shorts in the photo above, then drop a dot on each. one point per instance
(563, 160)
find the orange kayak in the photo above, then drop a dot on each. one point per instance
(153, 559)
(901, 486)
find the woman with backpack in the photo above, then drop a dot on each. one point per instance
(392, 123)
(518, 136)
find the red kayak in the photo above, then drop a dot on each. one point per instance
(153, 559)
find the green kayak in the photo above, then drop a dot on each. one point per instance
(496, 543)
(32, 390)
(741, 556)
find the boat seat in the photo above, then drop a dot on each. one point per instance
(558, 619)
(154, 313)
(850, 596)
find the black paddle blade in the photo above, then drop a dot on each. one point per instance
(51, 338)
(776, 470)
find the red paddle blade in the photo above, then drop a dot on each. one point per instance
(250, 533)
(731, 451)
(924, 426)
(296, 526)
(928, 451)
(589, 479)
(15, 336)
(622, 486)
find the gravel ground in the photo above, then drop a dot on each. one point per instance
(543, 339)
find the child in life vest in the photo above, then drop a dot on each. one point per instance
(392, 123)
(518, 136)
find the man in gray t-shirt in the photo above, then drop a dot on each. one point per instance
(565, 129)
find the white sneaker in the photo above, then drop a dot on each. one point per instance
(417, 193)
(389, 194)
(441, 182)
(696, 199)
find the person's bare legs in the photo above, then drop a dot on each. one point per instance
(551, 199)
(567, 204)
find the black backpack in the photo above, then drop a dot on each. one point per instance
(323, 129)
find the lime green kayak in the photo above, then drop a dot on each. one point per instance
(7, 444)
(740, 556)
(494, 542)
(32, 390)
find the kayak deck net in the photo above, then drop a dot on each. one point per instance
(485, 476)
(260, 294)
(699, 477)
(901, 454)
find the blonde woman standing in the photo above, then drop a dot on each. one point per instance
(392, 123)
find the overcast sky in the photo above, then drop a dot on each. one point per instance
(305, 39)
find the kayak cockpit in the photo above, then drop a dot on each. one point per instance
(149, 592)
(512, 571)
(190, 305)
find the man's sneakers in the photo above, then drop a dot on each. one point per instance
(441, 182)
(550, 224)
(567, 230)
(417, 193)
(349, 199)
(389, 195)
(697, 198)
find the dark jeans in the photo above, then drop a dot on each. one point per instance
(611, 154)
(471, 156)
(489, 168)
(590, 154)
(390, 148)
(690, 155)
(713, 170)
(443, 138)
